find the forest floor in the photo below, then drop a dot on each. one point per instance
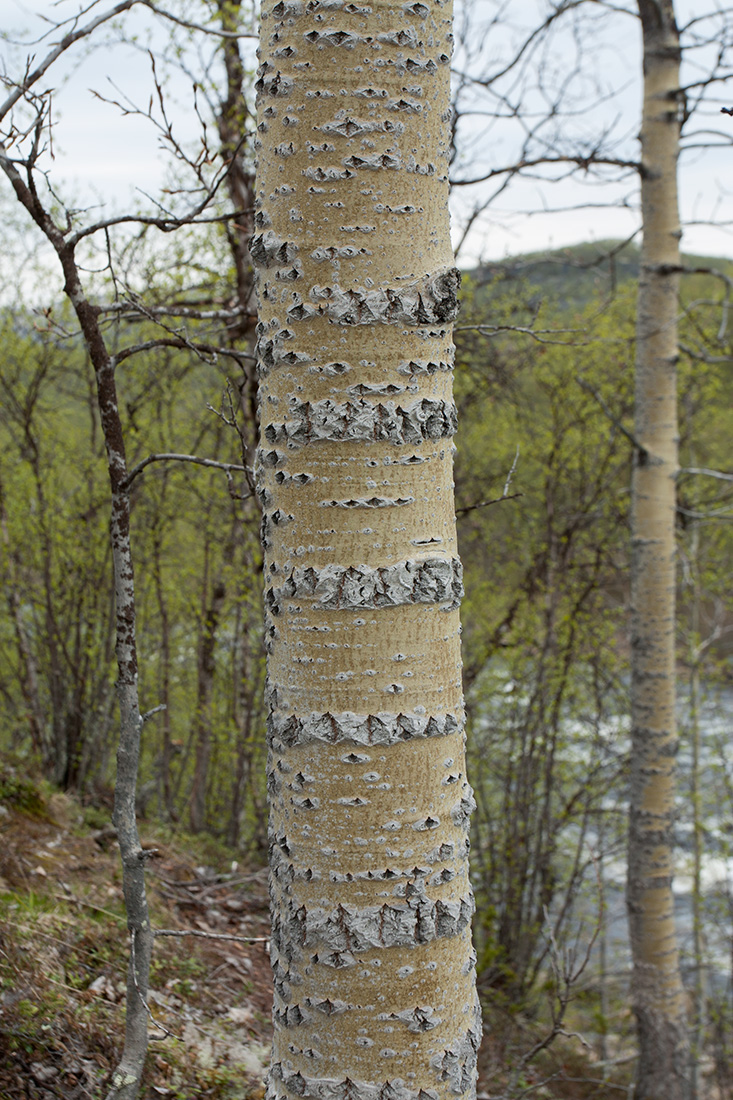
(63, 952)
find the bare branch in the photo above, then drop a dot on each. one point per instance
(512, 471)
(152, 312)
(210, 935)
(216, 32)
(210, 462)
(173, 342)
(579, 160)
(486, 503)
(149, 713)
(702, 356)
(536, 334)
(702, 470)
(614, 420)
(167, 222)
(232, 421)
(66, 42)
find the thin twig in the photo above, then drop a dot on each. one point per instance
(152, 312)
(536, 334)
(614, 420)
(214, 31)
(179, 342)
(510, 475)
(506, 495)
(486, 503)
(210, 462)
(232, 421)
(68, 40)
(221, 884)
(210, 935)
(156, 710)
(69, 897)
(167, 1033)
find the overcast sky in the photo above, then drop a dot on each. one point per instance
(102, 157)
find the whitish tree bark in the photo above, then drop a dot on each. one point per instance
(374, 971)
(657, 993)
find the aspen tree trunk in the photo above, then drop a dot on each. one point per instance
(374, 972)
(657, 992)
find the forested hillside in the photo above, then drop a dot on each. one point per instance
(545, 348)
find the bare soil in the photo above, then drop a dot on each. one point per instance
(63, 953)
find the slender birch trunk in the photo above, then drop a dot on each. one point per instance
(374, 970)
(126, 1078)
(657, 992)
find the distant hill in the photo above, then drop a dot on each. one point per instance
(571, 276)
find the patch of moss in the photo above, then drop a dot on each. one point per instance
(23, 794)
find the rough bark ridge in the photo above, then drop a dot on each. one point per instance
(657, 993)
(374, 972)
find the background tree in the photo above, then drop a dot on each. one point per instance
(544, 672)
(657, 993)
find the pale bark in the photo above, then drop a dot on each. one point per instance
(374, 971)
(657, 992)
